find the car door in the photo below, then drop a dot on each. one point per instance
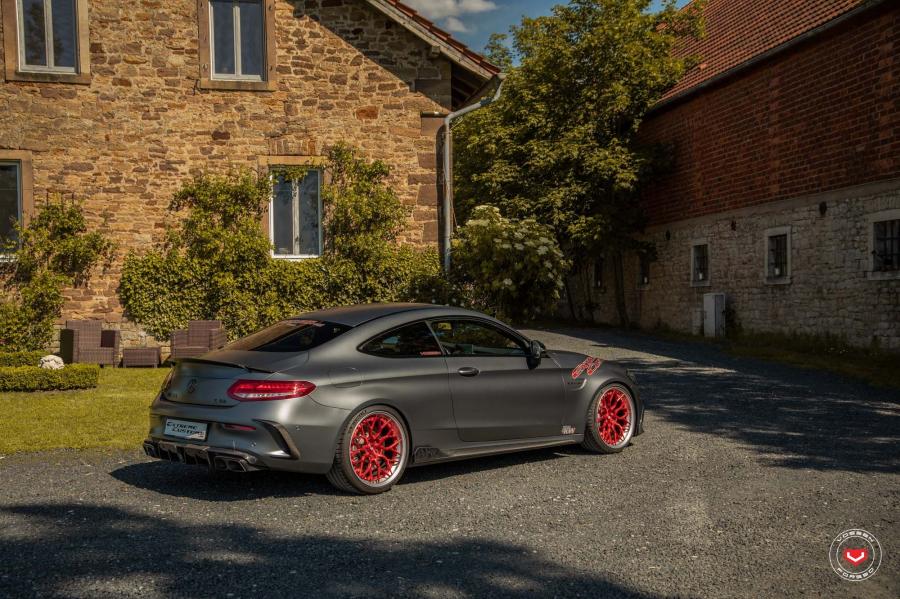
(495, 395)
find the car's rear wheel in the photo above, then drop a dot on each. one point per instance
(610, 420)
(371, 453)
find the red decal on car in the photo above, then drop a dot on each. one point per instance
(589, 366)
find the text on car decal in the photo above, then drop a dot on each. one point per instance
(589, 367)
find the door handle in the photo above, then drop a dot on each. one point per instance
(468, 371)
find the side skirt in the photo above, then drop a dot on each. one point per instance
(432, 455)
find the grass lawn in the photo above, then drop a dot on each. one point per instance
(114, 415)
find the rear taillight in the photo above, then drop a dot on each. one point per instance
(245, 390)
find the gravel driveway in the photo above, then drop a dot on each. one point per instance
(745, 474)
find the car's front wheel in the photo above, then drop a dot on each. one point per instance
(610, 420)
(372, 452)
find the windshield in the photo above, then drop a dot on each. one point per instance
(290, 336)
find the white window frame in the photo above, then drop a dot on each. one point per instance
(295, 200)
(878, 217)
(236, 19)
(48, 41)
(694, 245)
(6, 256)
(789, 273)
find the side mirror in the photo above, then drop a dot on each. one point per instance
(535, 352)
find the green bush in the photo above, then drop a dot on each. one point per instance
(512, 269)
(54, 251)
(217, 263)
(21, 358)
(33, 378)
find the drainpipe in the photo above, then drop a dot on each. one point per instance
(447, 204)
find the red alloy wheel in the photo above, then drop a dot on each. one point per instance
(376, 448)
(614, 417)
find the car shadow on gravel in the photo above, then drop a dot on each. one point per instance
(791, 417)
(90, 550)
(179, 480)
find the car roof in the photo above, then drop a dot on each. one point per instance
(353, 316)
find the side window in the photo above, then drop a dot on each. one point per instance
(413, 341)
(473, 338)
(296, 216)
(238, 39)
(10, 202)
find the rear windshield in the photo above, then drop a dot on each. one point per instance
(290, 336)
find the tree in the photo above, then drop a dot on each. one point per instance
(560, 145)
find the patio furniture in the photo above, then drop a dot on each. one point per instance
(200, 337)
(85, 342)
(141, 356)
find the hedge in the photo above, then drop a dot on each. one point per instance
(21, 358)
(34, 378)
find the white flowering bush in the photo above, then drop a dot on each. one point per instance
(507, 267)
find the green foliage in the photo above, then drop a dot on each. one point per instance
(512, 269)
(21, 358)
(364, 214)
(217, 263)
(33, 378)
(560, 144)
(53, 252)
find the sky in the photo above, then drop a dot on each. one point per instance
(473, 21)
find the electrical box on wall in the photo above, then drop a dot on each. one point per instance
(714, 314)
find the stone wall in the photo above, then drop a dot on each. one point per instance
(124, 143)
(831, 288)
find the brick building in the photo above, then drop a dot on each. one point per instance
(117, 103)
(785, 194)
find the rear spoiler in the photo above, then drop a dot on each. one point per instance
(220, 363)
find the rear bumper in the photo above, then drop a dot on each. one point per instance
(213, 458)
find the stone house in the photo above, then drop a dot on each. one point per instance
(117, 103)
(785, 193)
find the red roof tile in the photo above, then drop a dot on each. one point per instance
(444, 37)
(738, 30)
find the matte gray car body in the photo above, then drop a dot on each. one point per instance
(508, 406)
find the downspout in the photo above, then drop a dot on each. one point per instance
(447, 203)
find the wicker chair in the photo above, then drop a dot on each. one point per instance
(200, 337)
(85, 341)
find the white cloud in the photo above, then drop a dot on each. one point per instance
(454, 25)
(451, 12)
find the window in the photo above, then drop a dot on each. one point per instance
(644, 270)
(413, 341)
(886, 255)
(473, 338)
(237, 48)
(599, 265)
(237, 39)
(290, 336)
(10, 202)
(778, 256)
(700, 264)
(46, 40)
(295, 217)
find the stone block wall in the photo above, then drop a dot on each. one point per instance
(125, 142)
(831, 288)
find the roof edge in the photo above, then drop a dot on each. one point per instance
(763, 56)
(453, 50)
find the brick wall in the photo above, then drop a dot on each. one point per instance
(824, 115)
(124, 143)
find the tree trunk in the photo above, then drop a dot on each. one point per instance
(569, 297)
(619, 269)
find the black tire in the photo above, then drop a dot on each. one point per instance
(593, 439)
(343, 475)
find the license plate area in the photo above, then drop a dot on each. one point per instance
(185, 429)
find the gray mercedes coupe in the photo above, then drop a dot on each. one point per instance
(360, 393)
